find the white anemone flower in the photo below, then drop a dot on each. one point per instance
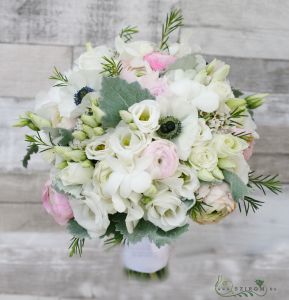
(187, 114)
(74, 97)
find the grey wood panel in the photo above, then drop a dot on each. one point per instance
(240, 248)
(76, 22)
(25, 68)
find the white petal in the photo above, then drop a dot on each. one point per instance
(208, 101)
(141, 182)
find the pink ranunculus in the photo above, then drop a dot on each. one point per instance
(247, 153)
(56, 204)
(165, 160)
(159, 61)
(157, 86)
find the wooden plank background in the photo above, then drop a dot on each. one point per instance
(251, 35)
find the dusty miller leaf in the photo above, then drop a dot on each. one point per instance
(238, 188)
(188, 62)
(76, 230)
(70, 190)
(116, 95)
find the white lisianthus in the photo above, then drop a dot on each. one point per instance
(92, 59)
(203, 157)
(222, 88)
(184, 183)
(204, 133)
(146, 115)
(166, 211)
(133, 52)
(75, 174)
(90, 212)
(126, 179)
(228, 145)
(127, 143)
(98, 149)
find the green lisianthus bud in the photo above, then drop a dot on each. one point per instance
(79, 135)
(33, 127)
(234, 103)
(126, 116)
(89, 120)
(75, 155)
(22, 122)
(205, 175)
(97, 113)
(226, 163)
(88, 130)
(62, 150)
(218, 174)
(86, 164)
(255, 101)
(38, 121)
(98, 131)
(62, 165)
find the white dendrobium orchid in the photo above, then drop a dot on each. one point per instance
(126, 179)
(127, 143)
(90, 212)
(182, 110)
(75, 96)
(92, 59)
(184, 183)
(146, 115)
(166, 211)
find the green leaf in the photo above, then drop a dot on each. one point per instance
(238, 188)
(116, 95)
(76, 230)
(64, 136)
(71, 190)
(147, 229)
(33, 148)
(237, 93)
(187, 62)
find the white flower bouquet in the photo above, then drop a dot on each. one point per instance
(142, 139)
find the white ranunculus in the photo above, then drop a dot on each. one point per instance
(98, 148)
(126, 179)
(146, 115)
(184, 183)
(133, 52)
(203, 157)
(127, 143)
(75, 174)
(228, 145)
(166, 211)
(92, 59)
(90, 212)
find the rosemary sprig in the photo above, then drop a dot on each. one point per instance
(173, 21)
(243, 135)
(59, 77)
(127, 33)
(37, 140)
(76, 246)
(250, 203)
(110, 67)
(264, 182)
(237, 113)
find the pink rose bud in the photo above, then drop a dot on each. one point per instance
(164, 157)
(247, 153)
(159, 61)
(56, 205)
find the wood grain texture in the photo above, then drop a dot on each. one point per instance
(250, 28)
(240, 248)
(25, 68)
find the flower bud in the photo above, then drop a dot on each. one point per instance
(221, 73)
(234, 103)
(97, 113)
(79, 135)
(226, 163)
(88, 130)
(218, 174)
(62, 150)
(126, 116)
(98, 131)
(89, 120)
(33, 127)
(75, 155)
(22, 122)
(255, 101)
(205, 175)
(86, 164)
(62, 165)
(38, 121)
(151, 191)
(132, 126)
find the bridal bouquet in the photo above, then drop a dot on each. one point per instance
(143, 139)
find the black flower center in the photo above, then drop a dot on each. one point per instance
(170, 127)
(81, 94)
